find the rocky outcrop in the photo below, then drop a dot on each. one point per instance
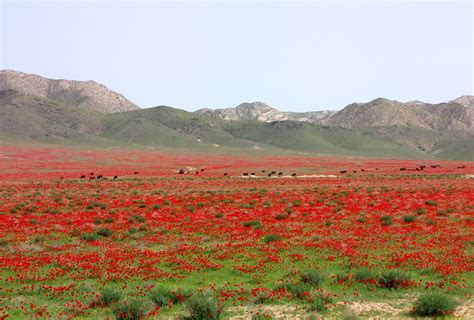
(82, 94)
(262, 112)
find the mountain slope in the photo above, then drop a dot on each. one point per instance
(82, 94)
(451, 116)
(262, 112)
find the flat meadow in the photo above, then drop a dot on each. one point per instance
(327, 238)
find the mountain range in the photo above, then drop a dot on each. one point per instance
(35, 109)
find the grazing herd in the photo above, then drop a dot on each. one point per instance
(98, 177)
(253, 174)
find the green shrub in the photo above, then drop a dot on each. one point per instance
(420, 211)
(431, 203)
(298, 290)
(364, 275)
(262, 297)
(409, 218)
(311, 277)
(162, 296)
(203, 305)
(104, 232)
(319, 302)
(89, 236)
(131, 308)
(393, 279)
(434, 304)
(107, 297)
(280, 216)
(256, 224)
(269, 238)
(386, 220)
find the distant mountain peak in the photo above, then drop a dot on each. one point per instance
(84, 94)
(262, 112)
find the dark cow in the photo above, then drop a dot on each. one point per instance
(263, 171)
(403, 169)
(252, 174)
(91, 178)
(115, 177)
(99, 177)
(83, 177)
(343, 171)
(181, 171)
(225, 174)
(202, 170)
(245, 174)
(273, 172)
(280, 174)
(293, 175)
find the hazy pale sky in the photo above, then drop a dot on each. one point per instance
(295, 56)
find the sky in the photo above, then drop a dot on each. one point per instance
(295, 56)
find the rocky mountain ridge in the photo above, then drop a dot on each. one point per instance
(82, 94)
(262, 112)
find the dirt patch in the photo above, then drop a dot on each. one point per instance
(286, 311)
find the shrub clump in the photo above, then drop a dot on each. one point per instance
(162, 297)
(203, 305)
(104, 232)
(434, 304)
(364, 275)
(107, 297)
(269, 238)
(256, 224)
(131, 309)
(393, 279)
(311, 277)
(319, 302)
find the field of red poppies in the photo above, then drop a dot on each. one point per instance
(326, 238)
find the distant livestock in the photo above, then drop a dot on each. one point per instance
(293, 175)
(115, 177)
(181, 171)
(83, 177)
(343, 171)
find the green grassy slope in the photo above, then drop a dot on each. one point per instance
(31, 118)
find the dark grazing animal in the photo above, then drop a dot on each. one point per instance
(280, 174)
(343, 171)
(83, 177)
(181, 171)
(225, 174)
(115, 177)
(99, 177)
(245, 174)
(293, 175)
